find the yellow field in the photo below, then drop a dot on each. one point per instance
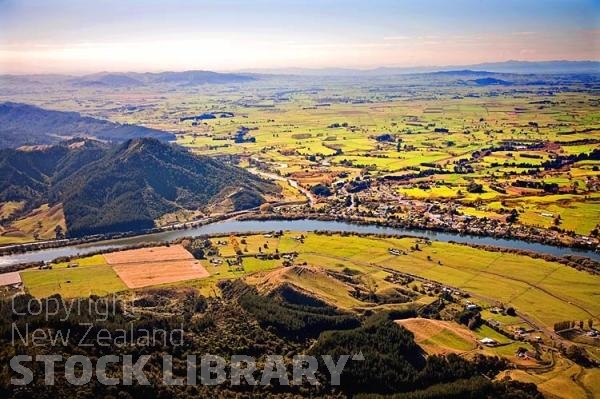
(565, 381)
(440, 337)
(39, 224)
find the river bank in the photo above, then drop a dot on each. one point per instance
(232, 226)
(530, 235)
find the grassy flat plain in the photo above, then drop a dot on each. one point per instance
(546, 292)
(93, 276)
(433, 124)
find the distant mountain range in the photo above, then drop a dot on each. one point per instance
(199, 77)
(141, 79)
(133, 79)
(517, 67)
(23, 124)
(126, 187)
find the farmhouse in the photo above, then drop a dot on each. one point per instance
(525, 354)
(394, 251)
(494, 323)
(488, 341)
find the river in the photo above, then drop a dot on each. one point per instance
(253, 226)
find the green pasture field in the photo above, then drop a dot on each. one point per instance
(578, 213)
(564, 122)
(546, 292)
(92, 276)
(308, 130)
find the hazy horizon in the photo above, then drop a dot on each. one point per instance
(79, 37)
(283, 70)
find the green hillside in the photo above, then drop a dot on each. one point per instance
(123, 187)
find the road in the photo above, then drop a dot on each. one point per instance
(309, 196)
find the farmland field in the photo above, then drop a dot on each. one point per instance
(459, 156)
(440, 337)
(359, 274)
(10, 278)
(154, 266)
(159, 272)
(543, 290)
(473, 160)
(99, 279)
(329, 199)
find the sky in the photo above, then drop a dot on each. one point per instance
(81, 36)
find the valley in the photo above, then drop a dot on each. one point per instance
(519, 159)
(363, 274)
(300, 199)
(460, 208)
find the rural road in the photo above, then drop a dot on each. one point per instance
(309, 196)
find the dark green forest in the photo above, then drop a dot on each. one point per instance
(123, 187)
(24, 124)
(240, 321)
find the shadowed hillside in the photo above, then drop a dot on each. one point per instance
(133, 79)
(124, 187)
(22, 124)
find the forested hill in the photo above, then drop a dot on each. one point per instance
(123, 187)
(24, 124)
(241, 321)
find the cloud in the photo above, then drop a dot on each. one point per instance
(396, 38)
(526, 33)
(229, 51)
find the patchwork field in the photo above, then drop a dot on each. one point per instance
(387, 116)
(357, 273)
(433, 136)
(545, 291)
(114, 272)
(154, 266)
(10, 278)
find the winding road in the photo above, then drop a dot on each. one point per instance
(293, 183)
